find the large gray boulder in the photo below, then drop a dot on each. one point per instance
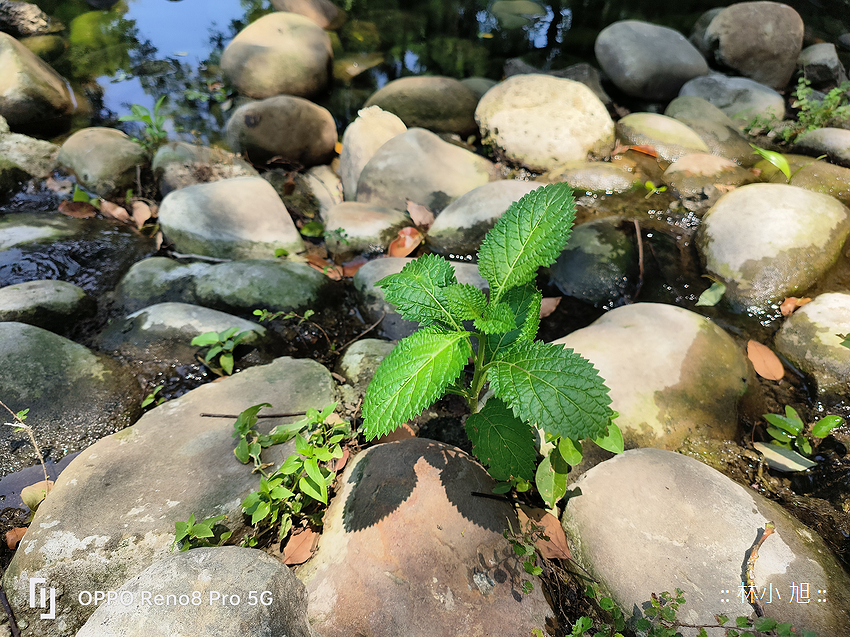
(35, 157)
(103, 159)
(361, 140)
(740, 98)
(832, 142)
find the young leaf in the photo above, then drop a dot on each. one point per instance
(497, 319)
(316, 490)
(826, 424)
(418, 291)
(613, 440)
(777, 159)
(551, 477)
(791, 425)
(553, 387)
(411, 377)
(207, 338)
(524, 302)
(529, 235)
(466, 301)
(712, 295)
(503, 443)
(570, 451)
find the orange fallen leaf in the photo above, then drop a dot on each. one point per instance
(13, 536)
(328, 268)
(724, 188)
(421, 215)
(141, 212)
(402, 433)
(406, 242)
(765, 362)
(300, 547)
(114, 211)
(646, 149)
(349, 268)
(557, 547)
(77, 209)
(792, 303)
(338, 148)
(548, 305)
(339, 463)
(59, 185)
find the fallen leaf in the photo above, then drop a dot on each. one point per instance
(401, 433)
(557, 547)
(406, 242)
(158, 240)
(59, 185)
(300, 547)
(548, 305)
(646, 149)
(141, 212)
(34, 494)
(109, 209)
(349, 268)
(619, 148)
(13, 536)
(77, 209)
(792, 303)
(339, 463)
(328, 268)
(765, 362)
(338, 148)
(724, 188)
(421, 215)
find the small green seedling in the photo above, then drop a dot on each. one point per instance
(789, 429)
(152, 399)
(154, 133)
(192, 535)
(221, 345)
(523, 545)
(652, 189)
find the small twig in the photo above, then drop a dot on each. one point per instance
(13, 624)
(31, 434)
(296, 413)
(640, 258)
(492, 496)
(200, 257)
(139, 178)
(750, 582)
(366, 331)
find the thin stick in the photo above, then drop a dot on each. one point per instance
(200, 257)
(640, 258)
(13, 624)
(364, 332)
(769, 528)
(30, 433)
(296, 413)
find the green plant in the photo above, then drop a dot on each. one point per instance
(652, 189)
(789, 429)
(814, 113)
(221, 345)
(532, 383)
(712, 295)
(266, 315)
(339, 234)
(192, 535)
(524, 545)
(154, 134)
(152, 399)
(19, 425)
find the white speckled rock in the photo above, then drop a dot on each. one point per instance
(353, 228)
(669, 137)
(362, 138)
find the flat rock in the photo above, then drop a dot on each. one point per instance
(821, 65)
(52, 305)
(719, 132)
(362, 138)
(541, 121)
(651, 520)
(672, 373)
(406, 550)
(26, 19)
(814, 175)
(832, 142)
(669, 137)
(594, 177)
(239, 218)
(103, 159)
(691, 175)
(148, 477)
(353, 228)
(740, 98)
(180, 164)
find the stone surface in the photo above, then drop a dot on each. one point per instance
(581, 72)
(362, 138)
(156, 280)
(540, 121)
(239, 218)
(103, 159)
(280, 53)
(419, 166)
(740, 98)
(461, 227)
(46, 47)
(148, 477)
(179, 164)
(325, 185)
(478, 85)
(35, 157)
(821, 65)
(809, 339)
(439, 104)
(26, 19)
(769, 241)
(367, 228)
(715, 128)
(52, 305)
(817, 176)
(651, 521)
(594, 177)
(692, 174)
(646, 60)
(323, 12)
(360, 360)
(669, 137)
(278, 606)
(406, 550)
(290, 128)
(832, 142)
(672, 373)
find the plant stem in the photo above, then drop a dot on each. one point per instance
(478, 377)
(30, 433)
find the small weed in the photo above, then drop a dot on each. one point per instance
(19, 425)
(152, 399)
(339, 234)
(789, 429)
(192, 535)
(266, 315)
(221, 345)
(652, 189)
(524, 545)
(154, 134)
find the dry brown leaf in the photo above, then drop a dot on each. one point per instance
(141, 212)
(407, 241)
(59, 185)
(765, 362)
(349, 268)
(724, 188)
(792, 303)
(300, 547)
(421, 215)
(646, 149)
(557, 547)
(34, 494)
(77, 209)
(13, 536)
(338, 148)
(158, 240)
(339, 463)
(548, 305)
(328, 268)
(401, 433)
(109, 209)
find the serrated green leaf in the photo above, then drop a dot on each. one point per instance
(412, 377)
(497, 319)
(553, 387)
(419, 290)
(529, 235)
(784, 629)
(826, 424)
(551, 478)
(466, 301)
(503, 443)
(764, 624)
(524, 302)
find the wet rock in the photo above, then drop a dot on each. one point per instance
(290, 128)
(419, 166)
(179, 164)
(821, 66)
(280, 53)
(74, 395)
(817, 176)
(360, 360)
(599, 265)
(354, 228)
(594, 177)
(832, 142)
(646, 60)
(439, 104)
(672, 373)
(581, 72)
(36, 157)
(24, 18)
(769, 241)
(11, 177)
(279, 604)
(325, 185)
(323, 12)
(362, 138)
(715, 128)
(669, 137)
(540, 121)
(461, 227)
(171, 464)
(740, 98)
(651, 521)
(103, 159)
(759, 40)
(52, 305)
(371, 297)
(478, 85)
(239, 218)
(692, 174)
(157, 280)
(406, 550)
(810, 339)
(34, 95)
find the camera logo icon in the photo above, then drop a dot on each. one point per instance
(42, 601)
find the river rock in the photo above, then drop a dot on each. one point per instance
(581, 72)
(290, 128)
(715, 128)
(808, 173)
(35, 157)
(594, 177)
(157, 280)
(669, 137)
(740, 98)
(33, 95)
(460, 228)
(651, 520)
(759, 40)
(24, 19)
(148, 477)
(362, 138)
(103, 159)
(692, 175)
(239, 218)
(810, 339)
(353, 228)
(180, 164)
(47, 47)
(439, 104)
(478, 85)
(541, 121)
(419, 166)
(832, 142)
(52, 305)
(360, 360)
(280, 53)
(646, 60)
(769, 241)
(325, 185)
(11, 177)
(821, 66)
(74, 395)
(371, 297)
(672, 373)
(407, 550)
(323, 12)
